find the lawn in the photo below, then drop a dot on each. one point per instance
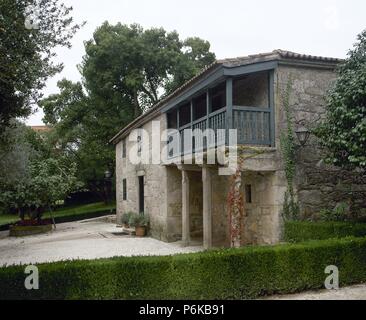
(82, 210)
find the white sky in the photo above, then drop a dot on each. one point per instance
(233, 27)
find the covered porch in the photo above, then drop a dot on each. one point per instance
(204, 212)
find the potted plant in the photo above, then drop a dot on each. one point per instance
(140, 222)
(125, 219)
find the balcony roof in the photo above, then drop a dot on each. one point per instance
(220, 68)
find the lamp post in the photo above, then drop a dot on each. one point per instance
(303, 135)
(107, 184)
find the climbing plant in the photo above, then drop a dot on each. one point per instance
(235, 199)
(287, 140)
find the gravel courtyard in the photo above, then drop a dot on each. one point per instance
(88, 239)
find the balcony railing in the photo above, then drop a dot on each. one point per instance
(253, 127)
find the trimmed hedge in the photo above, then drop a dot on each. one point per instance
(242, 273)
(298, 231)
(74, 217)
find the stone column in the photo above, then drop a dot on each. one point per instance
(185, 209)
(207, 207)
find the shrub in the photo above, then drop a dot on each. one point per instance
(125, 219)
(138, 220)
(297, 231)
(339, 213)
(241, 273)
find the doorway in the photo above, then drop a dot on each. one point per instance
(141, 195)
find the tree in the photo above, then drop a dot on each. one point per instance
(29, 31)
(343, 133)
(34, 174)
(82, 136)
(125, 71)
(126, 65)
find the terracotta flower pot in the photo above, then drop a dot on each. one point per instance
(140, 231)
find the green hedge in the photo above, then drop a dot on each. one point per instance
(74, 217)
(219, 274)
(298, 231)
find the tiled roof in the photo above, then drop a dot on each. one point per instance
(231, 62)
(275, 55)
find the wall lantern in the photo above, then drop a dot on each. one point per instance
(302, 135)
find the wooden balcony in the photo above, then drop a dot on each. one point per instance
(254, 124)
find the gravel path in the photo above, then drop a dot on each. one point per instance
(88, 239)
(357, 292)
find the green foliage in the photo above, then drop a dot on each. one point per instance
(34, 174)
(298, 231)
(26, 54)
(343, 133)
(125, 70)
(138, 220)
(125, 219)
(287, 139)
(242, 273)
(339, 213)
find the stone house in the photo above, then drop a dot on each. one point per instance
(189, 201)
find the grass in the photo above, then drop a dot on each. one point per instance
(64, 212)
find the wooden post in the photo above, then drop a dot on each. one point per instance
(229, 107)
(185, 209)
(207, 207)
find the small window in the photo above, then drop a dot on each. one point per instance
(139, 142)
(184, 114)
(248, 193)
(124, 189)
(124, 148)
(199, 107)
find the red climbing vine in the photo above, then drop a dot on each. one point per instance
(235, 199)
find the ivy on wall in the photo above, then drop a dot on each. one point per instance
(287, 140)
(235, 199)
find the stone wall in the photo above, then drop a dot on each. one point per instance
(318, 185)
(261, 221)
(156, 190)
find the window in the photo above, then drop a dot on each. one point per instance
(124, 148)
(172, 119)
(248, 193)
(139, 142)
(124, 189)
(184, 114)
(218, 97)
(199, 107)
